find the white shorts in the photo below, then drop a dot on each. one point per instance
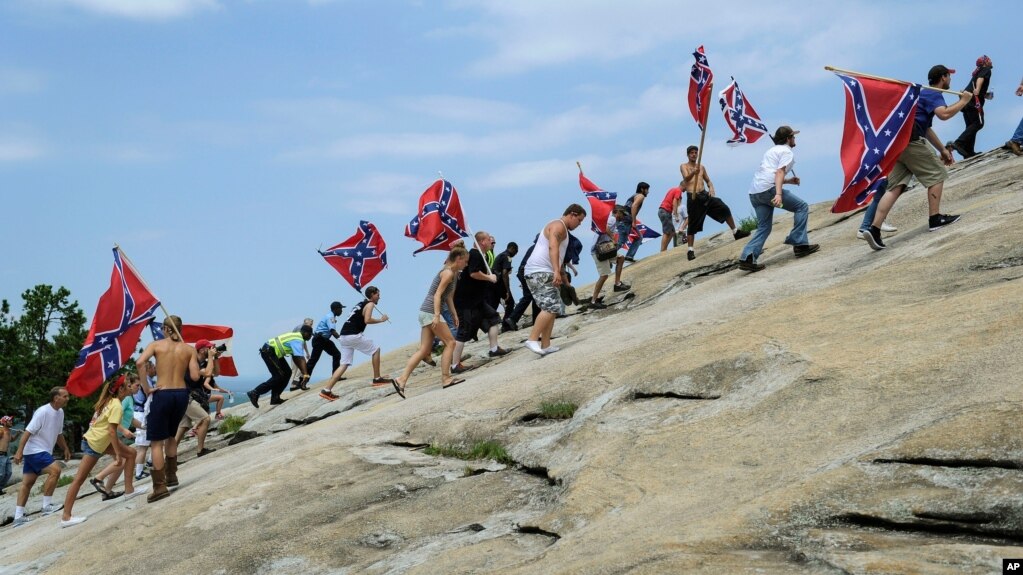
(140, 432)
(350, 343)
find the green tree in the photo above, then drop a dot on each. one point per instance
(37, 352)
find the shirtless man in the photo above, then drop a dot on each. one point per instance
(701, 202)
(168, 403)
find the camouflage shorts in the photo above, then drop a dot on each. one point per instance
(541, 286)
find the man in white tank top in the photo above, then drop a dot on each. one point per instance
(543, 274)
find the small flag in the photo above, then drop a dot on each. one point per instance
(359, 258)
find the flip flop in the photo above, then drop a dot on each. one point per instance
(112, 495)
(401, 392)
(453, 382)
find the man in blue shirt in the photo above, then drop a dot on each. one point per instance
(324, 330)
(917, 160)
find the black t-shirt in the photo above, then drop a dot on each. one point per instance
(502, 267)
(196, 390)
(356, 323)
(982, 72)
(470, 292)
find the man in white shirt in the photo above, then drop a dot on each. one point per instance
(766, 193)
(36, 450)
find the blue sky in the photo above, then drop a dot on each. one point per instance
(221, 143)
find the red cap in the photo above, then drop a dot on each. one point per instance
(202, 344)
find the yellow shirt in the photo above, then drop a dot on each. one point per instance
(98, 435)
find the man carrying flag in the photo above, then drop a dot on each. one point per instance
(917, 160)
(359, 258)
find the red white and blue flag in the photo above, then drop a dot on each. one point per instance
(740, 116)
(878, 123)
(640, 230)
(601, 203)
(439, 222)
(216, 334)
(701, 81)
(121, 314)
(359, 258)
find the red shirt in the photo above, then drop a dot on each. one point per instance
(669, 199)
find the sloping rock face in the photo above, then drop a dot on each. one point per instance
(849, 412)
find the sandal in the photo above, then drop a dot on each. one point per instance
(112, 495)
(451, 383)
(400, 390)
(99, 487)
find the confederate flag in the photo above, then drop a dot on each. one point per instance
(601, 203)
(216, 334)
(740, 116)
(640, 230)
(439, 222)
(359, 258)
(121, 314)
(878, 123)
(701, 81)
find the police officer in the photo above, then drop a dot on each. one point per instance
(273, 353)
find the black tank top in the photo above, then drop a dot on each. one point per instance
(355, 324)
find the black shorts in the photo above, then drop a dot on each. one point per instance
(471, 319)
(705, 205)
(165, 412)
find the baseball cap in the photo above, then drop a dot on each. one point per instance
(784, 133)
(6, 421)
(202, 344)
(937, 72)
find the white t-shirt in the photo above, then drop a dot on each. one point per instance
(45, 426)
(777, 157)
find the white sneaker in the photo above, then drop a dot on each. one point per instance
(138, 491)
(534, 346)
(21, 521)
(51, 508)
(75, 520)
(862, 234)
(550, 349)
(886, 227)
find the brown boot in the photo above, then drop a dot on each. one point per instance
(171, 469)
(159, 486)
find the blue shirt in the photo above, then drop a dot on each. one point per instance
(928, 101)
(326, 325)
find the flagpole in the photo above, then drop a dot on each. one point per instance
(127, 261)
(699, 152)
(893, 80)
(471, 234)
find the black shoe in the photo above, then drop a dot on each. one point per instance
(253, 398)
(691, 255)
(748, 265)
(507, 326)
(739, 234)
(874, 238)
(941, 220)
(277, 400)
(630, 260)
(205, 451)
(805, 250)
(622, 287)
(500, 351)
(962, 151)
(459, 369)
(597, 305)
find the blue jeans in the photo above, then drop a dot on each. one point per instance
(790, 202)
(623, 236)
(5, 470)
(868, 216)
(1017, 136)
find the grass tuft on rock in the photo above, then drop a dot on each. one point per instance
(480, 450)
(231, 424)
(557, 409)
(61, 482)
(749, 223)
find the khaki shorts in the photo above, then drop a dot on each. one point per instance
(603, 267)
(918, 159)
(194, 413)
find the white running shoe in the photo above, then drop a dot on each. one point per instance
(51, 508)
(888, 228)
(534, 346)
(138, 491)
(75, 520)
(862, 234)
(21, 521)
(550, 349)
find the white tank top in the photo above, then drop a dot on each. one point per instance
(540, 259)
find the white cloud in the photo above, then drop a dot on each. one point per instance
(463, 109)
(14, 81)
(383, 193)
(16, 150)
(142, 9)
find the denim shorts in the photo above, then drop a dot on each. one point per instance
(90, 451)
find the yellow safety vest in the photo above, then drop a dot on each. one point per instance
(280, 343)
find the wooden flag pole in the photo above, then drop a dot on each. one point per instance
(699, 152)
(471, 234)
(893, 80)
(127, 261)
